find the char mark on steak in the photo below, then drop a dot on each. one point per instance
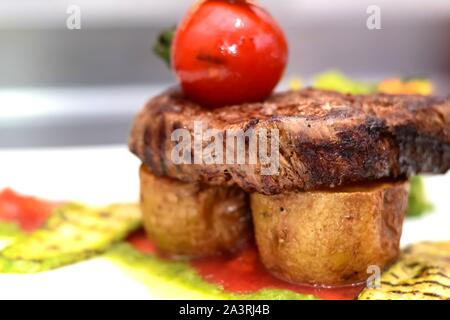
(326, 139)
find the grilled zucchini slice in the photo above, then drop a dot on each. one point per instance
(71, 234)
(423, 273)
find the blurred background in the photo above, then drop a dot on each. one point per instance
(61, 87)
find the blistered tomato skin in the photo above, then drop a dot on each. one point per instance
(228, 52)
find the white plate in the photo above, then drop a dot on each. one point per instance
(102, 175)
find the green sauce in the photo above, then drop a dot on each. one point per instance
(178, 280)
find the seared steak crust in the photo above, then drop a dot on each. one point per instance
(326, 139)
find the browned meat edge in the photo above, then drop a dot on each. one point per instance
(327, 139)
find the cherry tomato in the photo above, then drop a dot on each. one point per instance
(228, 52)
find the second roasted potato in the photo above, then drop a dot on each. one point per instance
(330, 238)
(192, 220)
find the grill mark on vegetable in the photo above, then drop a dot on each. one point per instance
(104, 215)
(414, 283)
(424, 271)
(415, 292)
(404, 292)
(77, 222)
(394, 275)
(85, 253)
(440, 274)
(435, 295)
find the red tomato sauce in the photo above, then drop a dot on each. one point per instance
(140, 242)
(244, 273)
(28, 212)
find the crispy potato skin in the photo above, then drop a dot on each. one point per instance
(330, 238)
(187, 219)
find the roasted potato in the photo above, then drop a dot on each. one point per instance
(330, 237)
(192, 220)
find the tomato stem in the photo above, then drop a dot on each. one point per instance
(163, 44)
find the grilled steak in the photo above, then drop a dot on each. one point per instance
(326, 139)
